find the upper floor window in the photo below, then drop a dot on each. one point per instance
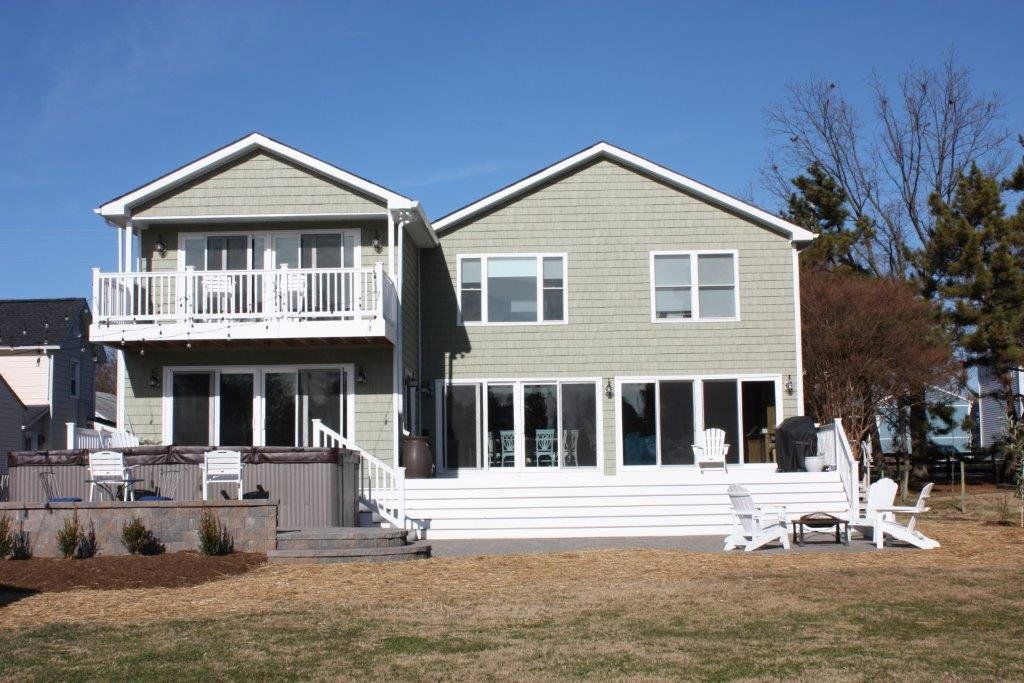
(512, 289)
(74, 377)
(694, 286)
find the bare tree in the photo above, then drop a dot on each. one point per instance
(867, 342)
(888, 161)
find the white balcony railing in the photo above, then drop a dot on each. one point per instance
(225, 295)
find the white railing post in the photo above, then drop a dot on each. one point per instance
(70, 426)
(318, 436)
(400, 495)
(95, 294)
(188, 298)
(378, 290)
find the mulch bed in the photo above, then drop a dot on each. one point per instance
(170, 570)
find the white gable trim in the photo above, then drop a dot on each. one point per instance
(603, 149)
(121, 206)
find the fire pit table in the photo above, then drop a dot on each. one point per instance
(819, 521)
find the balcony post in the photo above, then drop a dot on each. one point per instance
(96, 298)
(70, 427)
(188, 301)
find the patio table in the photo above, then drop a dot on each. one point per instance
(821, 520)
(104, 485)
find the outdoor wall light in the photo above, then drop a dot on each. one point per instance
(789, 385)
(154, 379)
(378, 245)
(360, 376)
(609, 390)
(160, 246)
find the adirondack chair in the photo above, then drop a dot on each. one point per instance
(711, 450)
(755, 526)
(106, 468)
(166, 490)
(222, 467)
(881, 494)
(887, 525)
(544, 448)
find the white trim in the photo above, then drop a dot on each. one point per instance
(485, 313)
(695, 255)
(798, 330)
(119, 421)
(119, 206)
(698, 412)
(517, 396)
(603, 149)
(260, 218)
(259, 373)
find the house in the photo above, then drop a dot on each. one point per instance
(562, 342)
(992, 411)
(46, 367)
(952, 422)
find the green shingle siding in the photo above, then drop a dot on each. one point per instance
(608, 219)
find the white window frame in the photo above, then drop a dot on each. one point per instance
(483, 463)
(268, 244)
(695, 285)
(483, 258)
(74, 378)
(698, 411)
(259, 403)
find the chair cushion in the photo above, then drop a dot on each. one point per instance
(64, 499)
(152, 498)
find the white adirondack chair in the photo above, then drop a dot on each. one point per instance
(711, 451)
(106, 468)
(755, 526)
(881, 494)
(908, 533)
(222, 467)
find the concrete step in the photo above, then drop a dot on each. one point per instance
(413, 551)
(336, 538)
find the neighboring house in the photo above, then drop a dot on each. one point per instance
(993, 411)
(106, 409)
(47, 362)
(563, 342)
(957, 404)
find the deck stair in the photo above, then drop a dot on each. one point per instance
(329, 545)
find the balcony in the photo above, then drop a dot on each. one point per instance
(328, 304)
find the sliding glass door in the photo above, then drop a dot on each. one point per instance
(191, 395)
(513, 425)
(660, 419)
(235, 412)
(280, 394)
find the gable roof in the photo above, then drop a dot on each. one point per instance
(37, 323)
(120, 207)
(604, 150)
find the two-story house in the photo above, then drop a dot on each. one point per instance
(46, 371)
(563, 341)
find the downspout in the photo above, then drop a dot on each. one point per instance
(397, 361)
(799, 334)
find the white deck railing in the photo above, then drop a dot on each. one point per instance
(205, 295)
(835, 450)
(381, 486)
(100, 438)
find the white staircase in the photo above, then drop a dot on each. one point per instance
(381, 486)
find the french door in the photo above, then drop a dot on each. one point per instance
(292, 399)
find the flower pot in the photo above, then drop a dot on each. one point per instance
(814, 463)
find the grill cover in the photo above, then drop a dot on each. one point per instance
(795, 439)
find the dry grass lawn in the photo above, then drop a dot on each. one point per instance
(951, 613)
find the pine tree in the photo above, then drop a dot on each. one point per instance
(820, 205)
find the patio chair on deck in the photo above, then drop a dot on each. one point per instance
(755, 526)
(222, 467)
(886, 524)
(106, 468)
(49, 481)
(711, 450)
(166, 490)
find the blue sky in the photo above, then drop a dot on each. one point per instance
(442, 102)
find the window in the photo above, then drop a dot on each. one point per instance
(74, 377)
(514, 424)
(675, 276)
(660, 418)
(512, 289)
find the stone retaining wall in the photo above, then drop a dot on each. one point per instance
(252, 524)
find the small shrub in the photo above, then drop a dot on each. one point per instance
(5, 535)
(138, 540)
(69, 535)
(87, 544)
(214, 538)
(21, 549)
